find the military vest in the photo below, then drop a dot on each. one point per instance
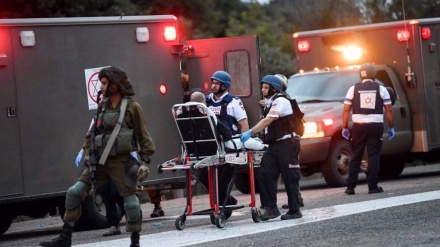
(366, 98)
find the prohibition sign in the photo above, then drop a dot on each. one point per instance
(92, 86)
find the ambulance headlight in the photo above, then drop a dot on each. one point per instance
(312, 130)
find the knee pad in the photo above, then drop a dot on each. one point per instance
(75, 195)
(132, 208)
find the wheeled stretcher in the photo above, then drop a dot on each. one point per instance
(203, 147)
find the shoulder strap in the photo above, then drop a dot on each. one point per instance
(114, 133)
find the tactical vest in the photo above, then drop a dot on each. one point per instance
(280, 127)
(226, 119)
(125, 140)
(366, 98)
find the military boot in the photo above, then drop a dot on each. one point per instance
(64, 240)
(157, 211)
(134, 239)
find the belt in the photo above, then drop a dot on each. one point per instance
(360, 123)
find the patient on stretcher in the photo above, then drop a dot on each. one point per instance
(234, 143)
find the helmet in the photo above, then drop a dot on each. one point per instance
(283, 80)
(118, 76)
(222, 77)
(367, 71)
(274, 81)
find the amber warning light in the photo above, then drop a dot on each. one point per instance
(170, 33)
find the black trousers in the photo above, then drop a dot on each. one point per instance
(276, 160)
(110, 196)
(370, 135)
(225, 173)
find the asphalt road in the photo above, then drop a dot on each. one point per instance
(406, 214)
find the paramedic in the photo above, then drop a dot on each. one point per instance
(282, 154)
(231, 112)
(368, 99)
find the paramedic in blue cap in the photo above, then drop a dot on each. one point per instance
(282, 154)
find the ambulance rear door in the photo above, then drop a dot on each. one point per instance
(11, 172)
(239, 56)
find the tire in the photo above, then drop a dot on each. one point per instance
(179, 223)
(5, 221)
(242, 181)
(335, 168)
(93, 215)
(391, 168)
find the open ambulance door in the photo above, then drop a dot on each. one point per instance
(239, 56)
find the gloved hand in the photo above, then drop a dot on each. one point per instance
(79, 157)
(245, 136)
(143, 172)
(391, 133)
(346, 133)
(135, 155)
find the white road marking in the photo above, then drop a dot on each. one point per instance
(203, 234)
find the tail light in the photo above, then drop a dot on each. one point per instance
(426, 33)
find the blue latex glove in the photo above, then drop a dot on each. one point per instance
(245, 136)
(391, 133)
(346, 133)
(135, 155)
(79, 157)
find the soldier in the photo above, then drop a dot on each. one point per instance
(118, 90)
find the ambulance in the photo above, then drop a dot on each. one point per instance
(48, 85)
(407, 59)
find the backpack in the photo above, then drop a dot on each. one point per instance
(296, 122)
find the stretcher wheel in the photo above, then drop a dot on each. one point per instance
(180, 223)
(159, 169)
(256, 215)
(212, 217)
(220, 220)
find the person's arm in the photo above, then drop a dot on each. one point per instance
(390, 116)
(262, 124)
(346, 115)
(244, 125)
(136, 119)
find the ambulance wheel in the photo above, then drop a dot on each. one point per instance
(220, 220)
(180, 223)
(212, 217)
(335, 168)
(256, 215)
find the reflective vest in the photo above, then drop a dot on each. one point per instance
(366, 98)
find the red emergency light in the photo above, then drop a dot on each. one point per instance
(403, 35)
(170, 33)
(426, 33)
(303, 46)
(163, 89)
